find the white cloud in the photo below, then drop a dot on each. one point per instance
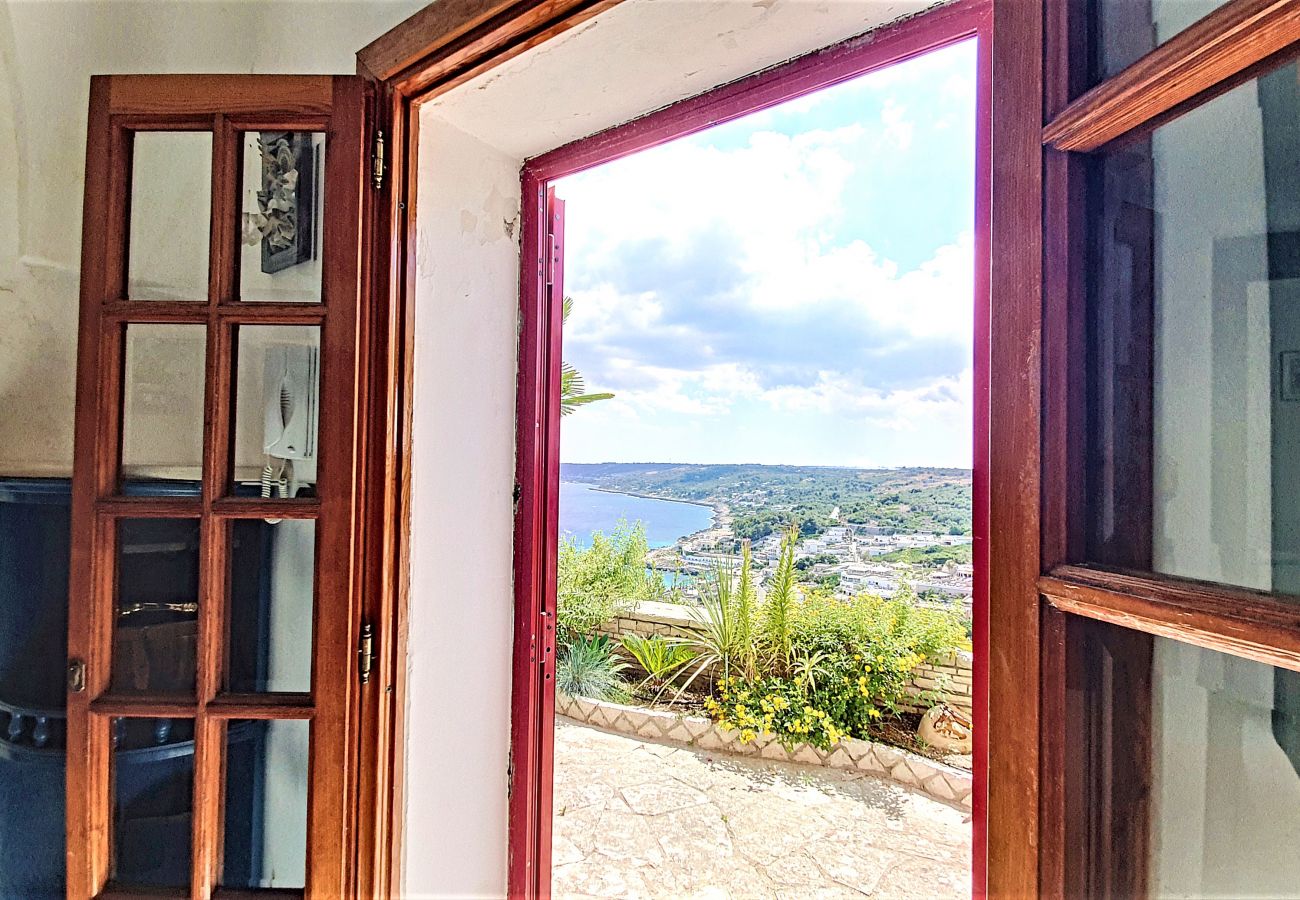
(717, 294)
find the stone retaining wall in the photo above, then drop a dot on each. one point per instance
(942, 782)
(951, 676)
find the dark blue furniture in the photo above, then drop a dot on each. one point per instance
(154, 759)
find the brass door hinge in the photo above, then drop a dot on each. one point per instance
(377, 161)
(366, 652)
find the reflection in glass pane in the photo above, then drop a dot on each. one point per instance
(153, 801)
(171, 209)
(34, 544)
(266, 804)
(1196, 288)
(1226, 795)
(277, 387)
(271, 587)
(1129, 29)
(162, 406)
(283, 196)
(156, 614)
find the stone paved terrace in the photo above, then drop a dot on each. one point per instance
(644, 820)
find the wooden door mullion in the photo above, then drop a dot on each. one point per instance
(214, 533)
(209, 731)
(223, 256)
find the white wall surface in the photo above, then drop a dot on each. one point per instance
(646, 54)
(637, 57)
(459, 652)
(48, 51)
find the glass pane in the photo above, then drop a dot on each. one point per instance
(277, 386)
(153, 801)
(156, 613)
(1226, 771)
(34, 545)
(1128, 29)
(283, 196)
(171, 210)
(1196, 313)
(162, 407)
(272, 574)
(266, 804)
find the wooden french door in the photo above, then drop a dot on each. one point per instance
(214, 628)
(1170, 602)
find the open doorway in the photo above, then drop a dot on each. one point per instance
(764, 578)
(485, 234)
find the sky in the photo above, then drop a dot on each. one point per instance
(793, 287)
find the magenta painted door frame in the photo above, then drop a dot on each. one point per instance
(538, 402)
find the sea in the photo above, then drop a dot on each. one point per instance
(584, 509)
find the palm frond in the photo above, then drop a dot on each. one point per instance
(573, 390)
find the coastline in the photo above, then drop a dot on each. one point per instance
(721, 512)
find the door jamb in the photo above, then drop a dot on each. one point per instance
(537, 405)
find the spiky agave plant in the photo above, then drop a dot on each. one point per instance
(719, 638)
(778, 609)
(746, 648)
(573, 391)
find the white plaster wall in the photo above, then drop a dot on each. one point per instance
(48, 51)
(646, 54)
(473, 142)
(459, 653)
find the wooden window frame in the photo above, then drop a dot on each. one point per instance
(225, 106)
(1236, 42)
(1081, 850)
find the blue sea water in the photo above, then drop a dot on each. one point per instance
(583, 509)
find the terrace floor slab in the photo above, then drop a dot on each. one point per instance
(639, 819)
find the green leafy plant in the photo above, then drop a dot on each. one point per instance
(718, 638)
(573, 391)
(851, 662)
(660, 658)
(807, 668)
(597, 583)
(588, 667)
(746, 649)
(779, 608)
(776, 706)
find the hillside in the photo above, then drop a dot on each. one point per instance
(762, 498)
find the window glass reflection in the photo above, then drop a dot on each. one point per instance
(1226, 768)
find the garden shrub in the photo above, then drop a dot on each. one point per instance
(597, 583)
(589, 667)
(852, 660)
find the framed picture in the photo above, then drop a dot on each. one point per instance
(287, 200)
(1290, 375)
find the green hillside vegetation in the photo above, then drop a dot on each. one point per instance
(763, 499)
(936, 555)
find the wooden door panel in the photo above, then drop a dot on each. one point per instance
(311, 370)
